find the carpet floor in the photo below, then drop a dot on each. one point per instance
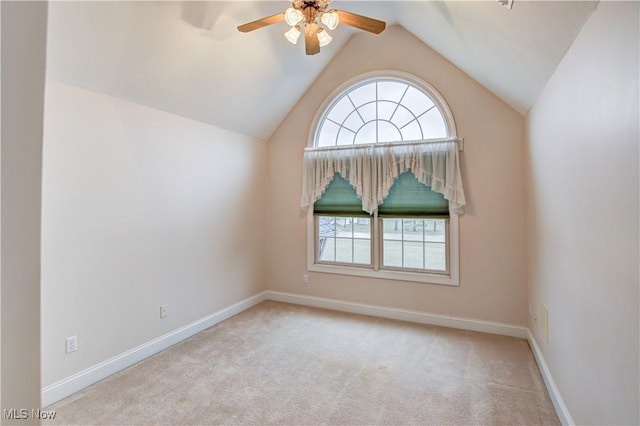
(285, 364)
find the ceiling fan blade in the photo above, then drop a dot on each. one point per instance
(261, 23)
(362, 22)
(311, 42)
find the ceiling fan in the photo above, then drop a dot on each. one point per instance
(303, 15)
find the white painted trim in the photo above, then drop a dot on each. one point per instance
(401, 314)
(561, 408)
(72, 384)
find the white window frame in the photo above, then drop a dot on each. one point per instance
(451, 278)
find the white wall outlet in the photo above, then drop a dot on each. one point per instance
(305, 279)
(163, 310)
(71, 344)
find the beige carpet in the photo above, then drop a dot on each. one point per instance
(285, 364)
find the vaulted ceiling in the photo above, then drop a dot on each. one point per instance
(187, 57)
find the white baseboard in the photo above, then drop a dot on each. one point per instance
(72, 384)
(401, 314)
(561, 408)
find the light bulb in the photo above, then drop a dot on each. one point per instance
(293, 16)
(330, 19)
(293, 34)
(324, 38)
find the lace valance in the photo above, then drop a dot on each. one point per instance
(372, 170)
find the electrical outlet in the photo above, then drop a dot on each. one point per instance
(71, 344)
(163, 310)
(305, 279)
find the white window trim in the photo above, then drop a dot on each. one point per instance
(453, 278)
(423, 277)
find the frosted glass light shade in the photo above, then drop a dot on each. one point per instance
(293, 16)
(330, 19)
(293, 35)
(324, 38)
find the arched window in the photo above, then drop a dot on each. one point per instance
(381, 181)
(384, 109)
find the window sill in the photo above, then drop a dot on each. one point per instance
(420, 277)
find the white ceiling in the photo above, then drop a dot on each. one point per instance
(187, 57)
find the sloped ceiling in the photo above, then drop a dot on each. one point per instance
(187, 58)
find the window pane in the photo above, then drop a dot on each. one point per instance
(391, 90)
(435, 256)
(353, 122)
(328, 134)
(345, 137)
(385, 110)
(326, 249)
(402, 116)
(392, 229)
(362, 251)
(416, 101)
(361, 227)
(344, 227)
(392, 254)
(340, 110)
(412, 132)
(363, 94)
(413, 255)
(387, 132)
(433, 125)
(434, 230)
(413, 229)
(344, 250)
(326, 226)
(367, 133)
(368, 111)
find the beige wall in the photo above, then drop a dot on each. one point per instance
(583, 218)
(492, 244)
(141, 208)
(24, 26)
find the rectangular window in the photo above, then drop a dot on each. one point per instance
(410, 244)
(408, 237)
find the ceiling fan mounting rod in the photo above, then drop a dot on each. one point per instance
(319, 6)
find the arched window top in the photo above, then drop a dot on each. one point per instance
(383, 107)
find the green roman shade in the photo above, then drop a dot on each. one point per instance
(339, 198)
(409, 197)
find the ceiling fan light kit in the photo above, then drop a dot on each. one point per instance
(293, 34)
(293, 16)
(331, 19)
(323, 37)
(305, 14)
